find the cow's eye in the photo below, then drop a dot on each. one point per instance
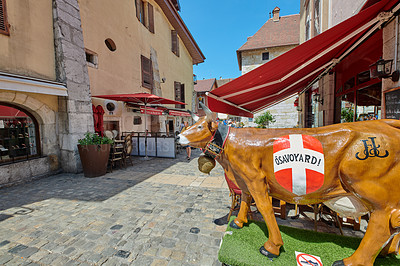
(200, 127)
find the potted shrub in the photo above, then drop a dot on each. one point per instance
(94, 151)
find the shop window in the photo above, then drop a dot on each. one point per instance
(4, 27)
(18, 135)
(265, 56)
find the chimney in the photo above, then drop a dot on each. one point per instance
(275, 13)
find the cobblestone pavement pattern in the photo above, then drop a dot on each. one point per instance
(156, 212)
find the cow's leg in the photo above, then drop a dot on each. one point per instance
(258, 189)
(246, 198)
(375, 238)
(243, 211)
(392, 247)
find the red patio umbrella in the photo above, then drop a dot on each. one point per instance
(141, 98)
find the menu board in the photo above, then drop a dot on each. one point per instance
(392, 104)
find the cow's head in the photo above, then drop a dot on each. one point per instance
(201, 132)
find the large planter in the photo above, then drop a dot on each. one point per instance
(94, 159)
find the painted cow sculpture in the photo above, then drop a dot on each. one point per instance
(352, 164)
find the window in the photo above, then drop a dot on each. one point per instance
(18, 135)
(91, 58)
(317, 17)
(4, 29)
(137, 120)
(150, 12)
(308, 22)
(110, 44)
(175, 42)
(265, 56)
(140, 14)
(147, 72)
(179, 94)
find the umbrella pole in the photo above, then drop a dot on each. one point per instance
(145, 131)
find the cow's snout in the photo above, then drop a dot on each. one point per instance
(182, 140)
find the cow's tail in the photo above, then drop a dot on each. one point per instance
(392, 122)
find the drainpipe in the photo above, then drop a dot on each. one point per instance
(396, 47)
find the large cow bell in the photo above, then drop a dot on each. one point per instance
(206, 164)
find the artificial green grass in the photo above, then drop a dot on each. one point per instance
(242, 247)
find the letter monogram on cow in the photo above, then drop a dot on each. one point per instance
(335, 165)
(373, 152)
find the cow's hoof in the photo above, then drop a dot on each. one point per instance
(267, 253)
(234, 225)
(338, 263)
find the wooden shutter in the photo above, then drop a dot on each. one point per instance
(137, 4)
(183, 95)
(151, 17)
(3, 18)
(177, 86)
(175, 42)
(147, 72)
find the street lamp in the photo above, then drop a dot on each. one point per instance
(383, 69)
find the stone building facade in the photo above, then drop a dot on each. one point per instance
(48, 76)
(277, 36)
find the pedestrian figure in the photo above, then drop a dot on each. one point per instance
(188, 149)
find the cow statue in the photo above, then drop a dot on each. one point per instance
(353, 168)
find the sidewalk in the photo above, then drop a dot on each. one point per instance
(156, 212)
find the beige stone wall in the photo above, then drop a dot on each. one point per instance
(120, 71)
(253, 58)
(344, 9)
(389, 44)
(29, 50)
(285, 113)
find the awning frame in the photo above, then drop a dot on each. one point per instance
(374, 25)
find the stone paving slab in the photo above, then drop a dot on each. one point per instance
(156, 212)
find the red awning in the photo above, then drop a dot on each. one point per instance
(298, 68)
(143, 98)
(9, 112)
(151, 111)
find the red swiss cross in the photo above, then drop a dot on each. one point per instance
(299, 163)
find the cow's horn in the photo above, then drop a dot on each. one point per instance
(206, 110)
(195, 117)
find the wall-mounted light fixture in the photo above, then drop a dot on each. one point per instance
(383, 69)
(317, 98)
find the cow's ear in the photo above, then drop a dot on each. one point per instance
(214, 126)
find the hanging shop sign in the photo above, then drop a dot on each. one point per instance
(178, 113)
(150, 111)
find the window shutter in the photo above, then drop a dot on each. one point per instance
(137, 3)
(183, 95)
(147, 72)
(175, 42)
(151, 17)
(3, 18)
(177, 86)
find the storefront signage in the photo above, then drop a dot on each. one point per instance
(392, 104)
(150, 111)
(299, 163)
(371, 149)
(178, 113)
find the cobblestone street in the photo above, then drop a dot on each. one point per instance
(156, 212)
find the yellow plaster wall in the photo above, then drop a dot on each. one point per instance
(29, 50)
(120, 71)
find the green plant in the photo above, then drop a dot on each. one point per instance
(264, 120)
(347, 114)
(94, 139)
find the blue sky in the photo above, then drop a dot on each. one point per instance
(220, 27)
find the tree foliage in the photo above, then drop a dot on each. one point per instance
(264, 120)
